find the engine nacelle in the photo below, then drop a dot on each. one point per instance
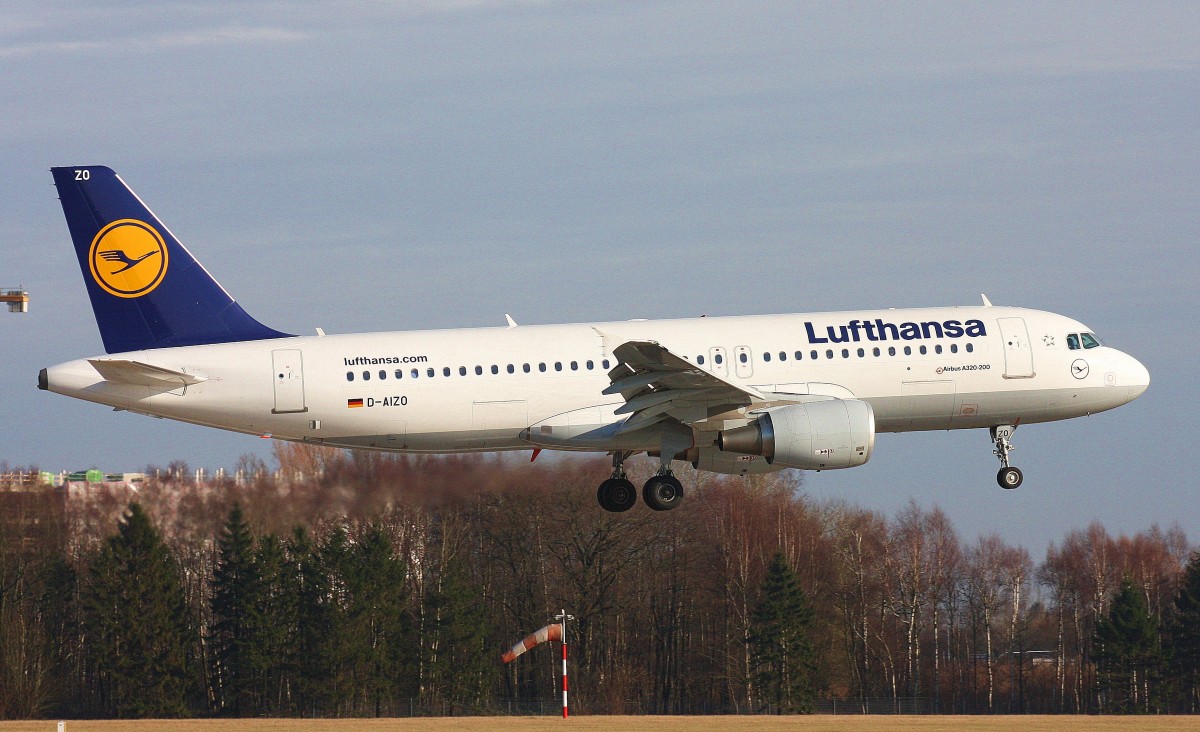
(825, 435)
(712, 460)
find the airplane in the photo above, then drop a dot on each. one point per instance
(734, 395)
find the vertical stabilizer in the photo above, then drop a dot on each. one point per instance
(147, 290)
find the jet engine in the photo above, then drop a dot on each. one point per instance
(824, 435)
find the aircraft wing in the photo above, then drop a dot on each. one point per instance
(657, 385)
(122, 371)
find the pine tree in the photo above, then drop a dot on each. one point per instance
(1184, 634)
(320, 621)
(276, 636)
(1128, 656)
(783, 656)
(62, 611)
(461, 663)
(377, 627)
(237, 620)
(137, 619)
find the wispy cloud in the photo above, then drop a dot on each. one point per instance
(228, 35)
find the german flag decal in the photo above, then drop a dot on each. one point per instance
(353, 403)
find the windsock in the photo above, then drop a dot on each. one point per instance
(551, 632)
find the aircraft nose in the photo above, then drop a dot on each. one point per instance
(1138, 376)
(1130, 376)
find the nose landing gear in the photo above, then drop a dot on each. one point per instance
(1008, 477)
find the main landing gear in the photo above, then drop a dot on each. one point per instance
(617, 494)
(1008, 477)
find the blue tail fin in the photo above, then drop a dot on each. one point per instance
(147, 290)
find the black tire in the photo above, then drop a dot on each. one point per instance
(602, 496)
(662, 492)
(622, 495)
(616, 495)
(1009, 478)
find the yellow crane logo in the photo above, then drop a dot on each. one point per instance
(128, 258)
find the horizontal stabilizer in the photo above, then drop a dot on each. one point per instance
(121, 371)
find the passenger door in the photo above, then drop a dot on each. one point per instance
(1018, 355)
(289, 381)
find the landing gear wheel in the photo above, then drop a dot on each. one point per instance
(616, 495)
(662, 492)
(1009, 478)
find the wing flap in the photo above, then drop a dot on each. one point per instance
(658, 385)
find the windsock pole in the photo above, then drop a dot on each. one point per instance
(562, 617)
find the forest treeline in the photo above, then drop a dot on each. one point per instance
(366, 585)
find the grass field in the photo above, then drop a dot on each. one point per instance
(815, 723)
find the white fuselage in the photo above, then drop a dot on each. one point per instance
(483, 389)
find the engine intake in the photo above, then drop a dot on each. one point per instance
(825, 435)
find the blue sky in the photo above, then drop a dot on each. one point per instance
(403, 165)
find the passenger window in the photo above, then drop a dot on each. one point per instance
(590, 365)
(366, 376)
(429, 372)
(700, 360)
(512, 369)
(462, 370)
(558, 365)
(718, 359)
(382, 374)
(495, 369)
(604, 363)
(908, 350)
(742, 357)
(875, 351)
(525, 367)
(923, 350)
(446, 371)
(349, 376)
(415, 373)
(937, 348)
(970, 347)
(574, 365)
(813, 355)
(1089, 340)
(891, 350)
(399, 373)
(953, 348)
(479, 371)
(542, 367)
(799, 355)
(783, 355)
(861, 353)
(845, 353)
(766, 356)
(829, 353)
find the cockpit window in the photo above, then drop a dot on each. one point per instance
(1089, 340)
(1073, 341)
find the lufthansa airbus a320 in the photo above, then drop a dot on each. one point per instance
(735, 395)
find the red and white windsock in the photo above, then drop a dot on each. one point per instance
(551, 632)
